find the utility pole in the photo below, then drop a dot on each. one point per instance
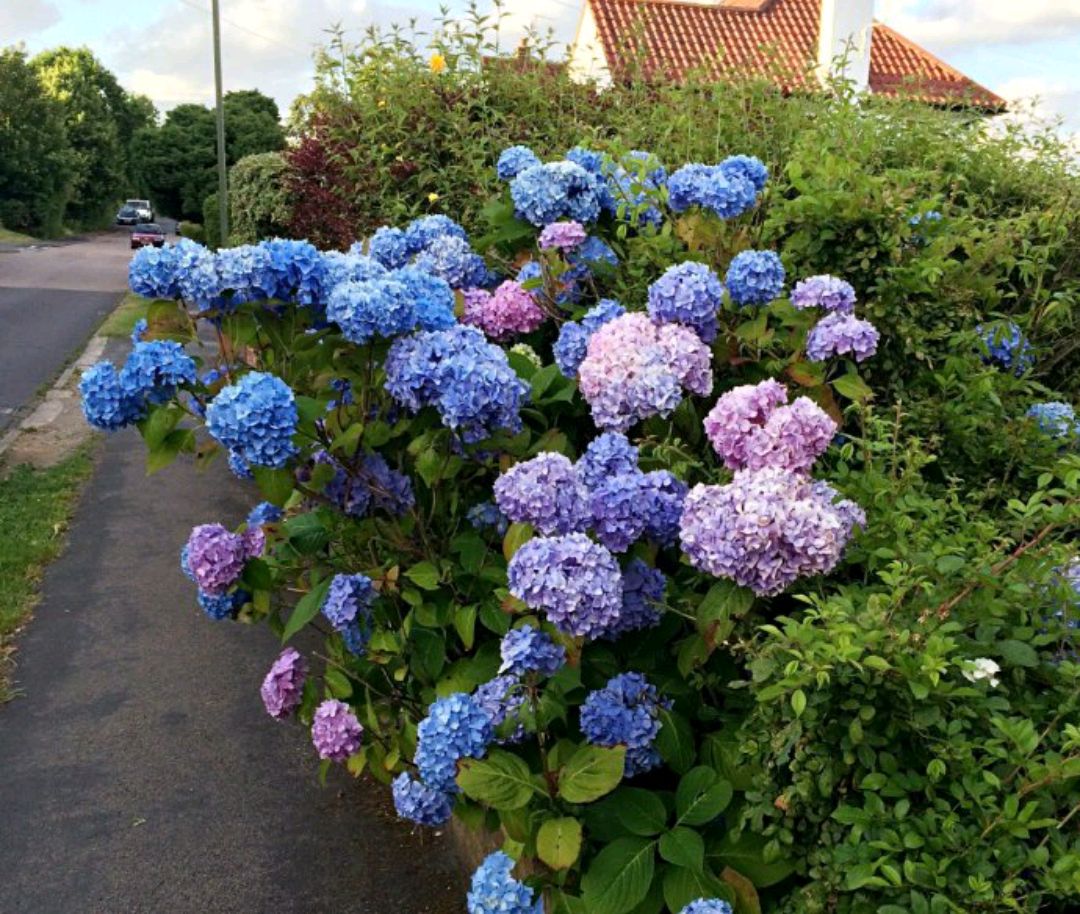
(223, 176)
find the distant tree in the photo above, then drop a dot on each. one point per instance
(35, 159)
(252, 125)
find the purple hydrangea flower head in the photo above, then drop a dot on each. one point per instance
(222, 606)
(851, 514)
(514, 160)
(283, 688)
(751, 168)
(216, 557)
(106, 403)
(546, 193)
(418, 803)
(495, 891)
(825, 292)
(545, 492)
(456, 727)
(841, 334)
(254, 540)
(450, 258)
(1056, 419)
(487, 515)
(575, 582)
(755, 277)
(347, 491)
(618, 510)
(256, 417)
(432, 298)
(501, 699)
(643, 590)
(152, 272)
(264, 513)
(1006, 347)
(608, 454)
(238, 466)
(626, 712)
(468, 380)
(389, 247)
(335, 731)
(764, 530)
(737, 416)
(530, 650)
(634, 369)
(688, 293)
(707, 906)
(508, 311)
(423, 231)
(390, 490)
(369, 309)
(561, 236)
(664, 494)
(349, 601)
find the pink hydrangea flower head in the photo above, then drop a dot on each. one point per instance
(509, 310)
(563, 236)
(335, 731)
(737, 415)
(283, 687)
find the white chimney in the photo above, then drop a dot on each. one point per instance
(847, 27)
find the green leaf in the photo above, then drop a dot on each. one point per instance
(429, 653)
(275, 485)
(501, 781)
(516, 537)
(158, 424)
(745, 852)
(798, 702)
(176, 442)
(558, 843)
(424, 575)
(682, 885)
(465, 625)
(306, 609)
(1018, 653)
(306, 533)
(543, 379)
(853, 387)
(640, 812)
(257, 575)
(683, 847)
(724, 601)
(675, 742)
(701, 796)
(591, 772)
(619, 877)
(338, 683)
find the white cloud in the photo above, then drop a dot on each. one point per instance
(19, 19)
(967, 22)
(1036, 98)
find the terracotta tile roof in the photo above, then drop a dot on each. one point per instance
(772, 38)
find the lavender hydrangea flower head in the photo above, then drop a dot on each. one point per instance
(432, 298)
(643, 591)
(545, 492)
(688, 293)
(755, 278)
(546, 193)
(501, 699)
(841, 334)
(451, 259)
(222, 606)
(575, 582)
(423, 231)
(155, 369)
(348, 601)
(608, 454)
(707, 906)
(764, 530)
(513, 161)
(216, 557)
(1056, 419)
(825, 292)
(634, 369)
(283, 688)
(106, 404)
(561, 236)
(495, 891)
(626, 712)
(372, 308)
(530, 650)
(456, 727)
(335, 731)
(617, 508)
(508, 311)
(1006, 347)
(664, 494)
(255, 417)
(418, 803)
(571, 346)
(389, 247)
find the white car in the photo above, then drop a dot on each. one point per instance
(143, 208)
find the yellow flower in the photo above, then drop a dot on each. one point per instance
(382, 102)
(432, 197)
(437, 63)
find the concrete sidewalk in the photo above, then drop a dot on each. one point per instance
(139, 771)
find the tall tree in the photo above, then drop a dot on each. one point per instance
(35, 159)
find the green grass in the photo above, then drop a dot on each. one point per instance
(122, 321)
(9, 237)
(35, 507)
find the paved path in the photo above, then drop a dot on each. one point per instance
(139, 772)
(51, 299)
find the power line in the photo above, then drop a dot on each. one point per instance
(244, 28)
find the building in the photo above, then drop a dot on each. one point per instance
(795, 43)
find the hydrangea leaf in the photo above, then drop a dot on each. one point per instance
(701, 796)
(640, 812)
(591, 772)
(501, 781)
(307, 608)
(675, 742)
(558, 842)
(683, 847)
(620, 875)
(683, 885)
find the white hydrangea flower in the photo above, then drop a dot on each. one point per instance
(982, 668)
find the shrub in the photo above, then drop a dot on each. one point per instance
(259, 206)
(774, 647)
(193, 231)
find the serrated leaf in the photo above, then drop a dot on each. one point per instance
(745, 852)
(558, 842)
(683, 847)
(853, 387)
(501, 780)
(591, 772)
(619, 877)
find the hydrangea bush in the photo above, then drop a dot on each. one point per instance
(649, 589)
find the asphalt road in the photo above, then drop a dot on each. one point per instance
(51, 300)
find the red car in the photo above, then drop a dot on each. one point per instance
(147, 233)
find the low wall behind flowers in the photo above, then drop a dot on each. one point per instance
(653, 589)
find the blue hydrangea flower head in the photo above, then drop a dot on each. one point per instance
(418, 803)
(608, 454)
(256, 417)
(373, 308)
(1056, 419)
(591, 161)
(643, 592)
(238, 466)
(530, 650)
(513, 160)
(456, 727)
(688, 293)
(665, 494)
(152, 272)
(607, 309)
(569, 349)
(432, 298)
(390, 490)
(617, 507)
(750, 168)
(264, 513)
(197, 279)
(495, 891)
(450, 258)
(389, 246)
(553, 191)
(545, 492)
(185, 565)
(352, 267)
(423, 231)
(246, 272)
(626, 712)
(348, 600)
(222, 606)
(755, 277)
(726, 193)
(707, 906)
(106, 403)
(139, 330)
(1006, 347)
(501, 699)
(155, 369)
(295, 271)
(649, 164)
(487, 515)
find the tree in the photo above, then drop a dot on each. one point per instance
(35, 158)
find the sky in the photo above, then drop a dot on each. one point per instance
(1021, 49)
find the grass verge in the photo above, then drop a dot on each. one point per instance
(35, 508)
(9, 237)
(122, 321)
